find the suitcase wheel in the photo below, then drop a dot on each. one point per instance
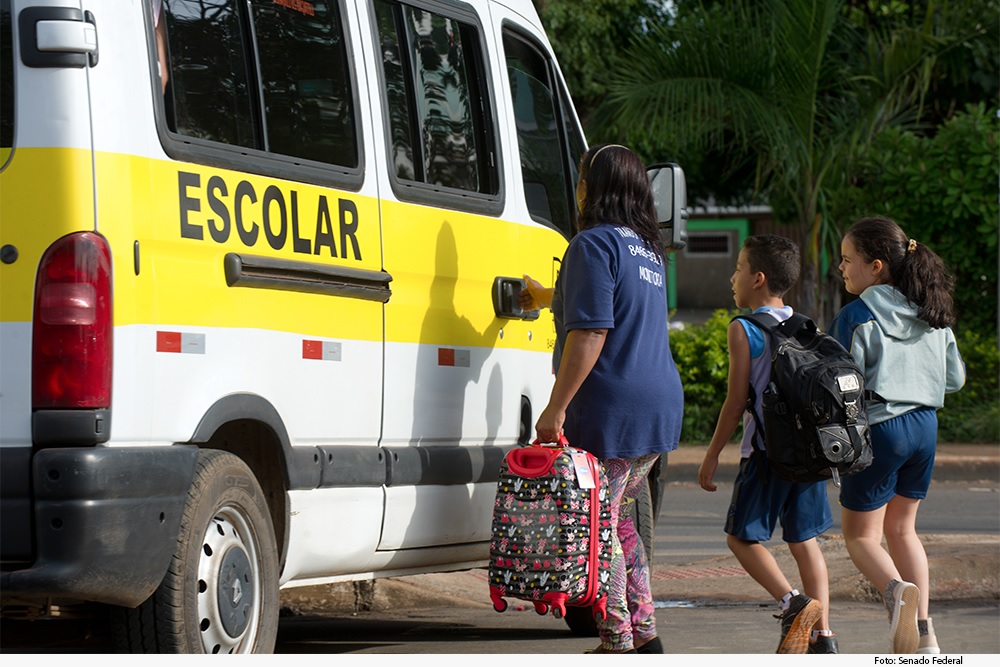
(500, 605)
(541, 608)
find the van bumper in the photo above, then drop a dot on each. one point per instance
(105, 522)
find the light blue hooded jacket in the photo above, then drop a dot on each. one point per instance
(904, 360)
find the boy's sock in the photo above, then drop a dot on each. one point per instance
(922, 627)
(815, 634)
(783, 604)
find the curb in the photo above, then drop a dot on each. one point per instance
(953, 463)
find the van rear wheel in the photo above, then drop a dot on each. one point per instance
(220, 593)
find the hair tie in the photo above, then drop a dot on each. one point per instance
(912, 247)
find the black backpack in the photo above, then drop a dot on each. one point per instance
(815, 424)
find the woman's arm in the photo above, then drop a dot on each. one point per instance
(583, 348)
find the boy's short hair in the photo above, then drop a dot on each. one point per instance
(777, 257)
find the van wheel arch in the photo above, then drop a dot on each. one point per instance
(248, 426)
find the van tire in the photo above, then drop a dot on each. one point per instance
(225, 549)
(581, 620)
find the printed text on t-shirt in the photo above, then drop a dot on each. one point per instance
(651, 276)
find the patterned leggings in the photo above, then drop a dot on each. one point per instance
(630, 603)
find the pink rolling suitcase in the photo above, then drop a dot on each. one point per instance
(552, 530)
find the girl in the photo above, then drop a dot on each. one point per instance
(617, 392)
(899, 333)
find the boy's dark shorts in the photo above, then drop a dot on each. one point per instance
(756, 507)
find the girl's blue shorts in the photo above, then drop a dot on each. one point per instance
(756, 507)
(903, 459)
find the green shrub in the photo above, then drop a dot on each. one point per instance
(971, 415)
(702, 358)
(942, 190)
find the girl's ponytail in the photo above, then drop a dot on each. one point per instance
(913, 268)
(924, 280)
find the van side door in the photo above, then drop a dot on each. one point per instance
(453, 385)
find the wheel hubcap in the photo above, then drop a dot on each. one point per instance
(228, 581)
(236, 594)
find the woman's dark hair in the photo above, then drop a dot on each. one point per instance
(618, 193)
(913, 268)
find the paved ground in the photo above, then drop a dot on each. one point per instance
(962, 566)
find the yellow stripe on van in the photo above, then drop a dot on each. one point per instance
(445, 263)
(181, 220)
(189, 217)
(47, 193)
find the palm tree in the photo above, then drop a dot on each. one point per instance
(791, 83)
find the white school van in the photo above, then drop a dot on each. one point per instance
(259, 264)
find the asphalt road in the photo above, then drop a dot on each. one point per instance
(718, 613)
(691, 520)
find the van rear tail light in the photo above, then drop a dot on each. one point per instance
(72, 327)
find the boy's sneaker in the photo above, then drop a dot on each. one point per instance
(797, 622)
(903, 636)
(824, 644)
(928, 642)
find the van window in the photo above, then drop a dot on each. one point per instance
(272, 76)
(541, 107)
(6, 83)
(440, 131)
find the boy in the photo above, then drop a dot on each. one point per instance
(766, 268)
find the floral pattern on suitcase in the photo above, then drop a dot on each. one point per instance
(550, 545)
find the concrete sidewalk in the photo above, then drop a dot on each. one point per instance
(962, 566)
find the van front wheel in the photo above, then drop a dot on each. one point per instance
(220, 593)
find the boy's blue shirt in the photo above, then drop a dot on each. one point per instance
(760, 369)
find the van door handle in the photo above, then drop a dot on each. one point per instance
(505, 295)
(58, 37)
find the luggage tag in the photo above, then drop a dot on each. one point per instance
(584, 475)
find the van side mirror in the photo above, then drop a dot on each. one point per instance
(670, 200)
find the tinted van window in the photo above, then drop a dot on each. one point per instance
(548, 170)
(266, 75)
(440, 131)
(6, 81)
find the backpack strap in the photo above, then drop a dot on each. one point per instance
(766, 323)
(787, 328)
(759, 454)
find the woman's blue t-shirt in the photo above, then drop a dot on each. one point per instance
(632, 402)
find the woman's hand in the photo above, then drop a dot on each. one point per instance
(550, 424)
(534, 296)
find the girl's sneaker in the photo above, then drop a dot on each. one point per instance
(903, 618)
(928, 642)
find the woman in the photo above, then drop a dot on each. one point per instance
(617, 393)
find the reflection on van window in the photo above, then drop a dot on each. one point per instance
(548, 169)
(433, 72)
(262, 75)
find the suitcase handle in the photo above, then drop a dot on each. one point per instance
(563, 442)
(535, 460)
